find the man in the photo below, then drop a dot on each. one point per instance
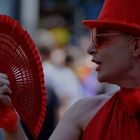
(116, 50)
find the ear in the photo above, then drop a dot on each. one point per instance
(136, 48)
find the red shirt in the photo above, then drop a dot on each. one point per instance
(118, 119)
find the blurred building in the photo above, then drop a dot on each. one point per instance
(26, 11)
(33, 14)
(72, 12)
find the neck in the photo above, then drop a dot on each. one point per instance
(130, 83)
(133, 82)
(131, 79)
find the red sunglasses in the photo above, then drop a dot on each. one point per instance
(98, 38)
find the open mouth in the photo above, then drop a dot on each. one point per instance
(98, 63)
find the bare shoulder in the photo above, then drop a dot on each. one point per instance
(85, 109)
(90, 103)
(76, 119)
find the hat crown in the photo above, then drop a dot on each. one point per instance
(124, 11)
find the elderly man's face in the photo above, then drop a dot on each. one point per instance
(110, 50)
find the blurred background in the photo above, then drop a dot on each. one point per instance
(34, 14)
(55, 26)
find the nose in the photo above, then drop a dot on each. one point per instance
(91, 50)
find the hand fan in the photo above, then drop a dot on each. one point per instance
(20, 60)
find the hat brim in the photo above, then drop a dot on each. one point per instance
(131, 28)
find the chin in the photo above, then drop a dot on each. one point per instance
(102, 77)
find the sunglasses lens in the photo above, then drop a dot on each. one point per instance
(99, 38)
(93, 38)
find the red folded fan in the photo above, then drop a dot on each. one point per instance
(20, 60)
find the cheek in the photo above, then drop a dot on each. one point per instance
(118, 66)
(115, 60)
(106, 58)
(114, 54)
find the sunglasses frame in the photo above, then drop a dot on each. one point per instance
(94, 36)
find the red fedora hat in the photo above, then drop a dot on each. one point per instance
(122, 15)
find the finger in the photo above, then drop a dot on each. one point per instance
(4, 76)
(6, 100)
(5, 90)
(4, 82)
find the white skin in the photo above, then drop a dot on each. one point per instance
(119, 58)
(5, 99)
(115, 58)
(120, 64)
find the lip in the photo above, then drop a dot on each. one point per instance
(98, 63)
(98, 68)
